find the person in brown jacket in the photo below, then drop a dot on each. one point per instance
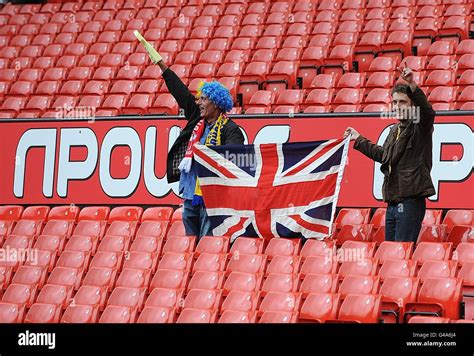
(406, 158)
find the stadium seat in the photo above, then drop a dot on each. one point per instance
(82, 314)
(180, 244)
(361, 232)
(280, 302)
(247, 263)
(236, 317)
(54, 294)
(74, 259)
(464, 253)
(283, 247)
(438, 297)
(9, 313)
(278, 282)
(65, 276)
(212, 245)
(320, 307)
(432, 251)
(156, 315)
(437, 269)
(319, 265)
(396, 292)
(43, 313)
(391, 250)
(284, 264)
(210, 262)
(203, 299)
(90, 228)
(206, 280)
(116, 315)
(418, 319)
(432, 233)
(459, 234)
(361, 308)
(352, 217)
(397, 268)
(193, 316)
(313, 247)
(457, 217)
(100, 277)
(155, 229)
(164, 298)
(21, 295)
(249, 246)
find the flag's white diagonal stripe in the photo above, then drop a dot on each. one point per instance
(309, 156)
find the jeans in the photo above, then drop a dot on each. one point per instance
(403, 220)
(195, 220)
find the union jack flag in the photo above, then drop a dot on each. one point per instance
(272, 190)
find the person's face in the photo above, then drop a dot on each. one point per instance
(207, 108)
(401, 106)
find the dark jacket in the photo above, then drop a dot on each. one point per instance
(231, 133)
(406, 162)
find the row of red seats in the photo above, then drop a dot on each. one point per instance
(239, 278)
(222, 7)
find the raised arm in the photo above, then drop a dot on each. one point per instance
(180, 92)
(427, 114)
(364, 145)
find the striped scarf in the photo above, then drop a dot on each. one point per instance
(212, 139)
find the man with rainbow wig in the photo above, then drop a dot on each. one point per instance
(207, 124)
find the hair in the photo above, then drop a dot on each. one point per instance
(217, 93)
(401, 88)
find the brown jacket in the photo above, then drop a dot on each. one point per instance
(406, 162)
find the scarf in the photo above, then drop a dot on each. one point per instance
(213, 139)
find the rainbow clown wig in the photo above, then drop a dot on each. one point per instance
(217, 93)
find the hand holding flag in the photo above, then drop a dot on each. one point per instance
(154, 55)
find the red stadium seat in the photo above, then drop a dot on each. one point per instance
(43, 313)
(396, 292)
(397, 268)
(280, 302)
(318, 265)
(244, 245)
(459, 234)
(116, 314)
(361, 232)
(173, 279)
(247, 263)
(206, 280)
(359, 285)
(193, 316)
(319, 307)
(457, 217)
(391, 250)
(437, 269)
(432, 251)
(54, 294)
(314, 247)
(464, 253)
(438, 297)
(284, 264)
(212, 245)
(352, 217)
(361, 308)
(80, 314)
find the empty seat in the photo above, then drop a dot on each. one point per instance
(320, 307)
(397, 268)
(438, 297)
(189, 315)
(396, 292)
(437, 269)
(116, 314)
(80, 314)
(43, 313)
(394, 250)
(361, 308)
(432, 251)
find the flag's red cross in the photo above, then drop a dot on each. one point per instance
(266, 196)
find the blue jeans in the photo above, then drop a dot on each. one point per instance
(195, 220)
(403, 220)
